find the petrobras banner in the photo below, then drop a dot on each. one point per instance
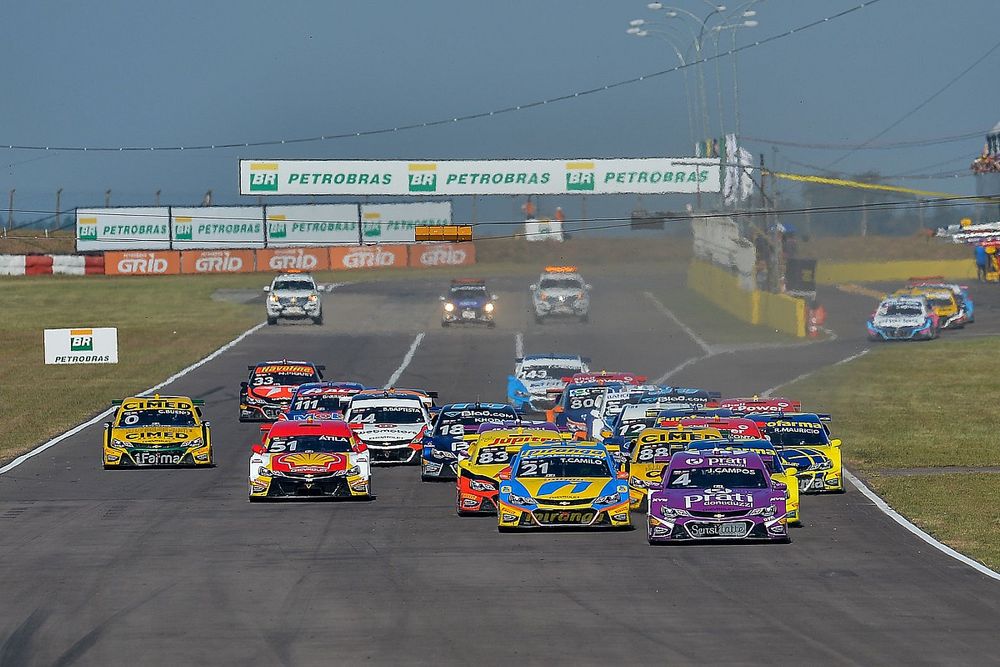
(480, 177)
(394, 223)
(218, 227)
(312, 225)
(122, 228)
(84, 345)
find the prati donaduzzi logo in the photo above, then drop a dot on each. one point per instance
(423, 177)
(81, 340)
(580, 176)
(263, 177)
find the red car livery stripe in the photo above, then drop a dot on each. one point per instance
(274, 392)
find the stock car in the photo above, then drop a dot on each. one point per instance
(650, 453)
(600, 422)
(961, 292)
(942, 301)
(157, 431)
(734, 428)
(744, 406)
(468, 302)
(446, 437)
(903, 318)
(269, 388)
(310, 458)
(803, 441)
(562, 484)
(392, 424)
(560, 292)
(539, 378)
(320, 400)
(488, 454)
(583, 393)
(717, 494)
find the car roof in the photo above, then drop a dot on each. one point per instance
(360, 400)
(310, 427)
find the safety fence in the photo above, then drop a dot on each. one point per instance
(777, 311)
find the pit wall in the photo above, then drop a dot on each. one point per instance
(777, 311)
(860, 272)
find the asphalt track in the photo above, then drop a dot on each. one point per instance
(156, 567)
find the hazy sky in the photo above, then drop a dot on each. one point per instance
(127, 73)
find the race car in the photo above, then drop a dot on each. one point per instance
(268, 390)
(717, 494)
(468, 302)
(157, 431)
(446, 438)
(539, 378)
(744, 406)
(480, 465)
(293, 295)
(803, 441)
(320, 400)
(689, 395)
(557, 484)
(734, 428)
(310, 458)
(650, 453)
(903, 318)
(392, 424)
(577, 401)
(942, 301)
(961, 292)
(599, 421)
(560, 292)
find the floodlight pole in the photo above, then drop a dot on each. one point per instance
(10, 211)
(59, 208)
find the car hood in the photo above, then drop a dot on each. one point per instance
(894, 321)
(550, 491)
(274, 392)
(561, 291)
(806, 458)
(388, 432)
(157, 435)
(309, 463)
(716, 500)
(541, 386)
(300, 294)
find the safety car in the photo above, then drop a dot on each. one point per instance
(468, 302)
(392, 424)
(269, 388)
(803, 440)
(560, 292)
(903, 318)
(446, 437)
(567, 485)
(293, 295)
(157, 430)
(310, 458)
(538, 379)
(650, 453)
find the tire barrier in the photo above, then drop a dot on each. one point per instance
(40, 265)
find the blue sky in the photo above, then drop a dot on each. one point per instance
(126, 73)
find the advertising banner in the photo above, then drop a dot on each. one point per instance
(588, 176)
(218, 227)
(394, 223)
(217, 261)
(300, 259)
(312, 225)
(426, 255)
(142, 262)
(145, 228)
(543, 230)
(84, 345)
(368, 257)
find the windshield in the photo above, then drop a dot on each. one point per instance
(548, 372)
(725, 477)
(493, 456)
(789, 437)
(561, 283)
(583, 398)
(940, 302)
(386, 414)
(564, 466)
(468, 292)
(901, 310)
(293, 285)
(455, 422)
(309, 443)
(633, 428)
(321, 402)
(157, 418)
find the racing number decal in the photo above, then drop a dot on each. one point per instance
(536, 374)
(532, 468)
(490, 456)
(581, 403)
(129, 420)
(453, 429)
(647, 454)
(259, 380)
(307, 404)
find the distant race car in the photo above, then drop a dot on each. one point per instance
(560, 292)
(468, 302)
(157, 431)
(310, 458)
(961, 292)
(942, 300)
(538, 379)
(488, 454)
(392, 424)
(717, 494)
(269, 389)
(557, 484)
(903, 318)
(803, 441)
(320, 400)
(446, 437)
(652, 451)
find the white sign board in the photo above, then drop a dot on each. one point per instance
(543, 230)
(81, 346)
(312, 224)
(589, 176)
(394, 223)
(218, 227)
(122, 228)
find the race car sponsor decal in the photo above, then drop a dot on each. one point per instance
(710, 497)
(157, 435)
(564, 516)
(293, 370)
(155, 404)
(156, 458)
(564, 451)
(309, 462)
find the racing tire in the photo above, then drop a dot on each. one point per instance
(256, 499)
(506, 529)
(318, 320)
(271, 321)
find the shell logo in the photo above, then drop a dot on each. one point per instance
(310, 461)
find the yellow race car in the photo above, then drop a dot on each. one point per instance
(942, 301)
(651, 453)
(157, 431)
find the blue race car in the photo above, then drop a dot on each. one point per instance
(468, 302)
(578, 401)
(538, 379)
(903, 318)
(439, 454)
(320, 400)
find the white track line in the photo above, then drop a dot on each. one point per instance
(76, 429)
(908, 525)
(518, 345)
(767, 392)
(706, 348)
(407, 358)
(676, 369)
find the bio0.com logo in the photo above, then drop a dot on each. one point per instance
(264, 177)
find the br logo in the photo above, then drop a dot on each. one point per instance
(580, 176)
(264, 177)
(81, 340)
(423, 177)
(553, 488)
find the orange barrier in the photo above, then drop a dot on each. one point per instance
(368, 257)
(142, 262)
(426, 255)
(217, 261)
(303, 259)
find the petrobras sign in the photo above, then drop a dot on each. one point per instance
(394, 223)
(84, 345)
(480, 177)
(122, 228)
(312, 225)
(218, 227)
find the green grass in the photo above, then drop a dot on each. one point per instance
(713, 324)
(915, 405)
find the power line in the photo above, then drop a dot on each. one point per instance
(872, 146)
(456, 118)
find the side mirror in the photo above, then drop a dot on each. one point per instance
(836, 442)
(257, 449)
(107, 425)
(244, 385)
(360, 448)
(580, 435)
(267, 288)
(504, 474)
(533, 287)
(440, 298)
(588, 287)
(207, 423)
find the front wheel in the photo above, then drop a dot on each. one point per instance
(271, 321)
(318, 320)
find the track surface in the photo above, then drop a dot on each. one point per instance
(176, 567)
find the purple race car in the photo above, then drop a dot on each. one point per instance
(717, 495)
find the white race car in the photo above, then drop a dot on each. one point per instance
(538, 379)
(391, 424)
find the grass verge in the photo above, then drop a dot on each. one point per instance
(922, 405)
